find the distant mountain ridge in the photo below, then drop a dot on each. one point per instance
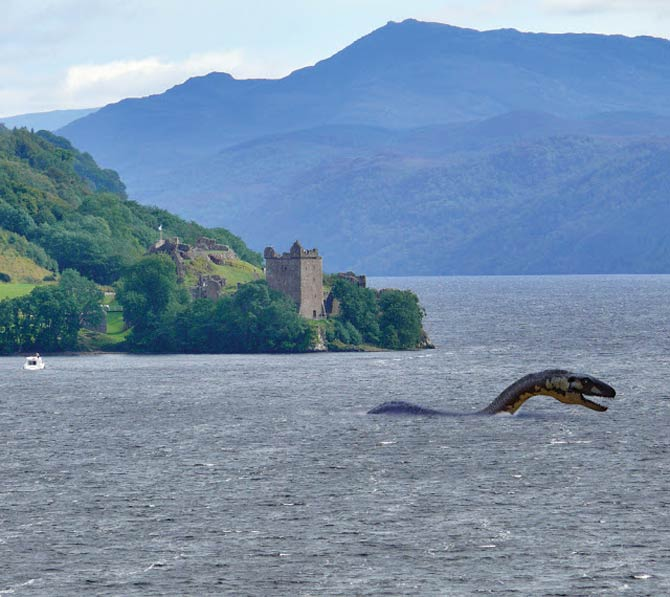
(49, 121)
(417, 139)
(403, 75)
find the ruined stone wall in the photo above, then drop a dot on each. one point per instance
(204, 247)
(175, 250)
(283, 274)
(354, 279)
(214, 251)
(208, 287)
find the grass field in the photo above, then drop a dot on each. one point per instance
(239, 272)
(90, 341)
(14, 290)
(21, 269)
(109, 341)
(115, 322)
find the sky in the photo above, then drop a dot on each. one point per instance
(60, 54)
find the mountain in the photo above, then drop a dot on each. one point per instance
(460, 212)
(420, 148)
(59, 210)
(49, 121)
(403, 75)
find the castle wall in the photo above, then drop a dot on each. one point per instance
(311, 288)
(284, 275)
(299, 275)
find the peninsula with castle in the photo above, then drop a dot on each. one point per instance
(81, 270)
(288, 306)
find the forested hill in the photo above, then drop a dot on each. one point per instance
(59, 210)
(421, 148)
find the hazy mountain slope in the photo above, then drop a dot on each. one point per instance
(607, 216)
(49, 121)
(596, 206)
(242, 177)
(370, 198)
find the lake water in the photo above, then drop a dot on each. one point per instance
(262, 475)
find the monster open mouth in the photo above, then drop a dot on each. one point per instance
(592, 405)
(601, 390)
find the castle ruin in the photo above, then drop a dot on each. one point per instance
(299, 275)
(209, 286)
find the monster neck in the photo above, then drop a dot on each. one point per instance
(535, 384)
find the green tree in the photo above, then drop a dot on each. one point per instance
(256, 319)
(359, 307)
(46, 320)
(151, 299)
(400, 319)
(194, 327)
(390, 318)
(86, 295)
(8, 327)
(55, 319)
(346, 333)
(89, 253)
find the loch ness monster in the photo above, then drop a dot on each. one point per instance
(564, 386)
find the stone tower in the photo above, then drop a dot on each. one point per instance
(298, 274)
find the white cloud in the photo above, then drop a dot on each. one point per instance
(122, 78)
(90, 85)
(99, 84)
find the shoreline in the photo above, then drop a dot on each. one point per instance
(82, 353)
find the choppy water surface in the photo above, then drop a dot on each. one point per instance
(261, 475)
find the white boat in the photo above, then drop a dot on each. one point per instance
(34, 363)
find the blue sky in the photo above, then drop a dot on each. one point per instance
(58, 54)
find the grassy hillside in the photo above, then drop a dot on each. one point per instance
(20, 269)
(22, 261)
(234, 271)
(63, 211)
